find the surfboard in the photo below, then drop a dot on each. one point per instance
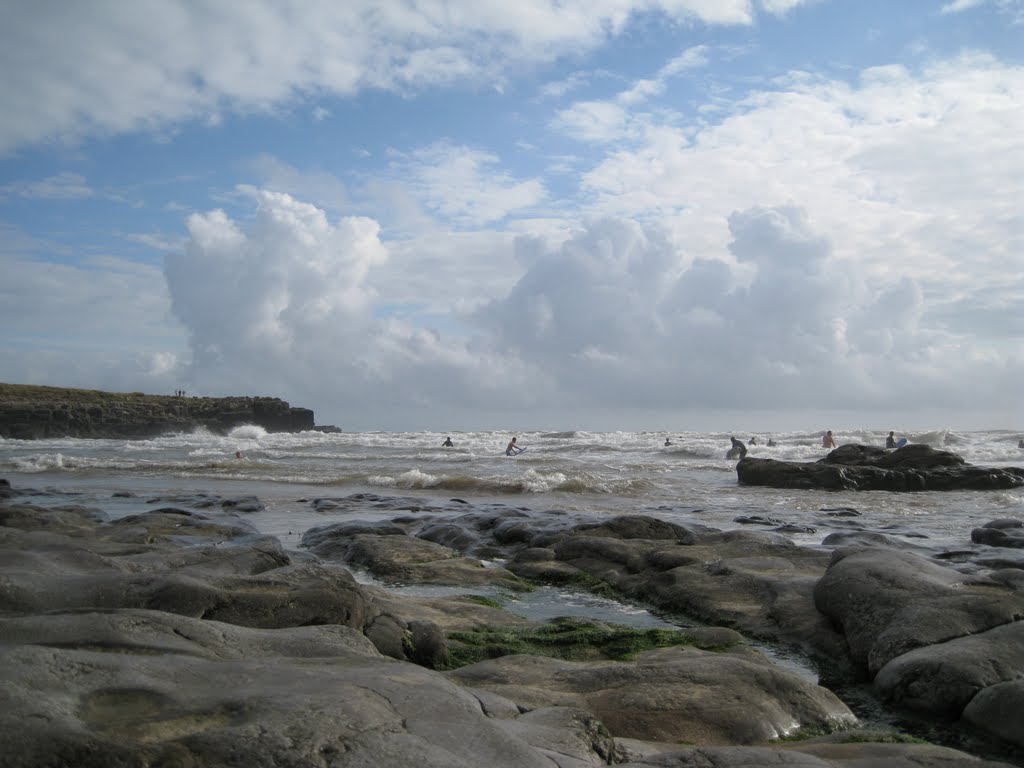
(901, 442)
(518, 451)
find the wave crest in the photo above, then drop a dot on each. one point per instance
(248, 432)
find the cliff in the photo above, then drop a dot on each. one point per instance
(31, 412)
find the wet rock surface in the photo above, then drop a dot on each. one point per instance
(183, 636)
(868, 468)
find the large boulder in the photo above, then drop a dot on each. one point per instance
(867, 468)
(889, 602)
(978, 677)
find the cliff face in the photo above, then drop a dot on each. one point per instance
(30, 412)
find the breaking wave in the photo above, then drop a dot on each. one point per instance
(530, 481)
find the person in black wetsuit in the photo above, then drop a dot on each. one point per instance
(738, 450)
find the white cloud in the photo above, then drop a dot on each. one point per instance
(262, 288)
(611, 120)
(619, 315)
(106, 67)
(594, 121)
(464, 186)
(782, 7)
(910, 174)
(961, 5)
(287, 303)
(1014, 9)
(62, 186)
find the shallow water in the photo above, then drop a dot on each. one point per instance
(576, 471)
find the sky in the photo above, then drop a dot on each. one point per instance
(546, 214)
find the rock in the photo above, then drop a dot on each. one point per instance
(569, 737)
(758, 582)
(867, 468)
(889, 602)
(943, 678)
(848, 539)
(859, 751)
(95, 709)
(178, 637)
(637, 527)
(669, 694)
(996, 709)
(147, 632)
(32, 412)
(1012, 538)
(408, 560)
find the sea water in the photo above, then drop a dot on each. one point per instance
(602, 473)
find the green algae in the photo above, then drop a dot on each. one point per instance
(568, 638)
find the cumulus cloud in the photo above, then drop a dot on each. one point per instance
(261, 289)
(286, 303)
(73, 69)
(615, 316)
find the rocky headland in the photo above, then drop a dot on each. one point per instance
(32, 412)
(856, 467)
(181, 636)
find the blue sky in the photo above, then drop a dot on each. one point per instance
(665, 214)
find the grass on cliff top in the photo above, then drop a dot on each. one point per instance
(30, 393)
(568, 638)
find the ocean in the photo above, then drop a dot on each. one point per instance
(602, 473)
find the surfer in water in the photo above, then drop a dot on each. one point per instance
(667, 441)
(890, 441)
(447, 443)
(512, 449)
(827, 441)
(738, 450)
